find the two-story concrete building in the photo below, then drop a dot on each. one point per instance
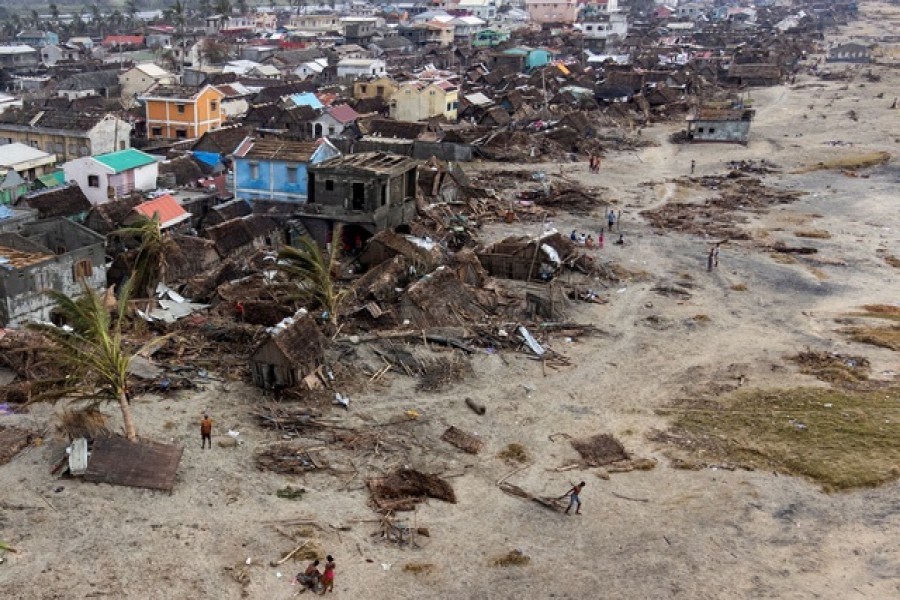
(545, 12)
(180, 112)
(366, 192)
(18, 57)
(140, 78)
(418, 100)
(115, 175)
(273, 169)
(54, 254)
(64, 132)
(361, 67)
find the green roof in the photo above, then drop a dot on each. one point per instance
(124, 160)
(52, 179)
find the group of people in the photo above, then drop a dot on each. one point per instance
(594, 164)
(587, 239)
(311, 577)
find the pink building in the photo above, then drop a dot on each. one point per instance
(552, 11)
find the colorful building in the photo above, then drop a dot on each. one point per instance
(272, 169)
(180, 112)
(418, 100)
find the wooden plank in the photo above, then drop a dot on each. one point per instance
(143, 464)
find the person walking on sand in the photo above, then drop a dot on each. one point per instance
(611, 219)
(328, 576)
(205, 431)
(574, 496)
(693, 164)
(710, 260)
(716, 257)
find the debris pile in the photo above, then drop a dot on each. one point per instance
(403, 488)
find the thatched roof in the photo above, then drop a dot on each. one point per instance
(107, 217)
(62, 201)
(237, 233)
(426, 254)
(301, 343)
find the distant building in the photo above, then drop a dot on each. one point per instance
(27, 161)
(552, 11)
(272, 169)
(38, 39)
(179, 112)
(367, 193)
(715, 124)
(360, 67)
(66, 133)
(110, 176)
(142, 77)
(418, 100)
(54, 254)
(376, 87)
(170, 214)
(488, 38)
(851, 52)
(18, 57)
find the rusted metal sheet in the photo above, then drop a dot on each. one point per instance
(142, 464)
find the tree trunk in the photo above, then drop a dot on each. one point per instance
(130, 432)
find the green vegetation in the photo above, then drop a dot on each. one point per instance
(842, 439)
(313, 272)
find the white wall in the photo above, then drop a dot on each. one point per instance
(109, 135)
(80, 169)
(145, 177)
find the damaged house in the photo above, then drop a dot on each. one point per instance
(525, 259)
(290, 353)
(54, 254)
(367, 193)
(717, 124)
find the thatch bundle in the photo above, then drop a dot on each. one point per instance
(404, 488)
(601, 449)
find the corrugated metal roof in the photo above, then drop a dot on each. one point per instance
(123, 160)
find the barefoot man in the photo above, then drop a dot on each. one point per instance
(574, 496)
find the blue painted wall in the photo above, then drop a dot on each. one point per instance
(538, 58)
(271, 181)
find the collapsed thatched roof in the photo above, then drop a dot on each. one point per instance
(301, 343)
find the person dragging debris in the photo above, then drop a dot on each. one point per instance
(309, 578)
(574, 496)
(206, 431)
(328, 575)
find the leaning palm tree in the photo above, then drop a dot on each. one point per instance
(90, 347)
(150, 264)
(313, 271)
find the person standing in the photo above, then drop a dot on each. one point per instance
(328, 576)
(205, 431)
(574, 496)
(611, 219)
(600, 239)
(693, 164)
(716, 257)
(710, 260)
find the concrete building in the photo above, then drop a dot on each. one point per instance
(552, 11)
(37, 39)
(418, 100)
(54, 254)
(466, 28)
(140, 78)
(367, 193)
(273, 169)
(64, 132)
(715, 124)
(110, 176)
(482, 9)
(18, 57)
(27, 161)
(180, 112)
(374, 87)
(360, 67)
(851, 52)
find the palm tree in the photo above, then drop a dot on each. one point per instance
(131, 11)
(242, 7)
(54, 13)
(314, 273)
(150, 264)
(35, 19)
(91, 348)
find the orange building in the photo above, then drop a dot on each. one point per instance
(180, 112)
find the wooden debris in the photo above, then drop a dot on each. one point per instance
(13, 441)
(462, 440)
(404, 488)
(286, 458)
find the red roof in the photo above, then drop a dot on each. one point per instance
(343, 113)
(124, 40)
(170, 212)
